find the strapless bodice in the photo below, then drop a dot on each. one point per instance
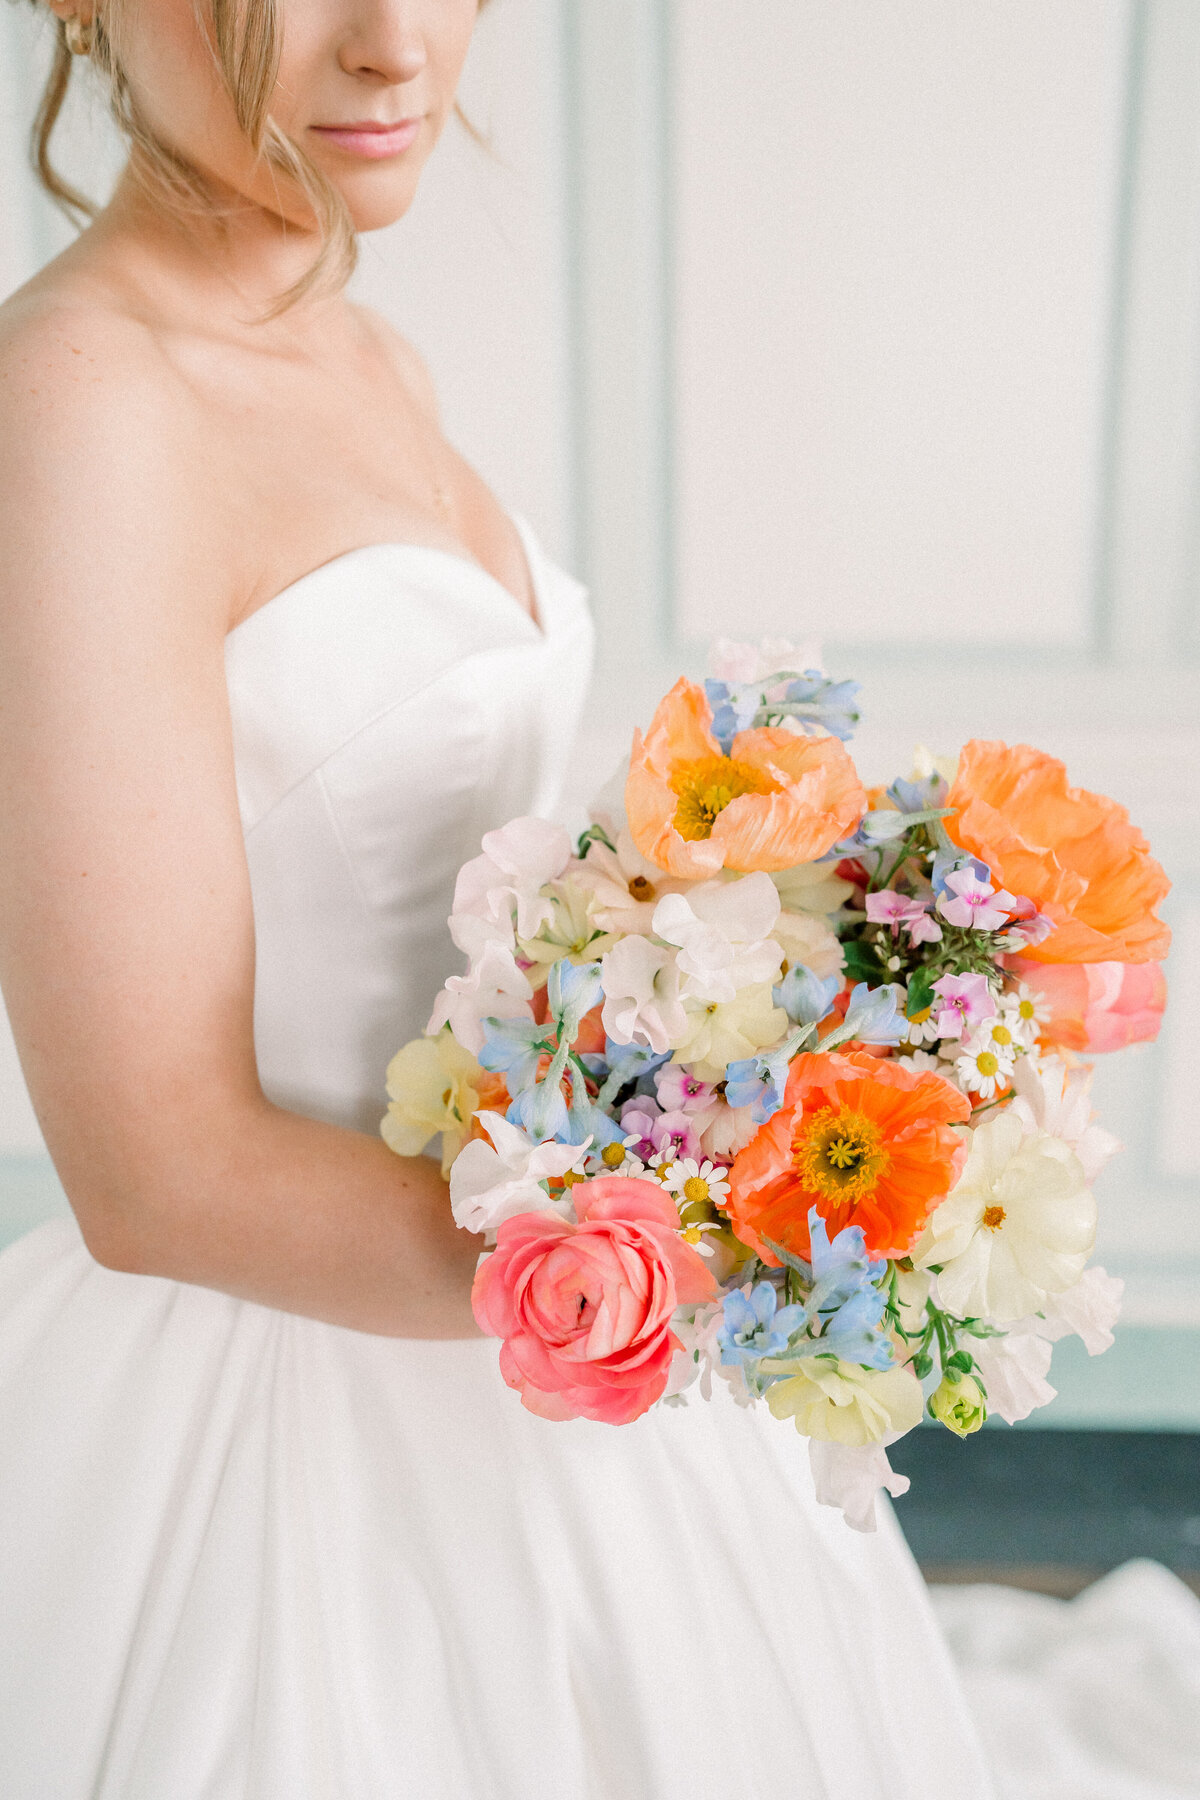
(387, 710)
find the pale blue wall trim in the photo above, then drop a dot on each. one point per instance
(30, 1193)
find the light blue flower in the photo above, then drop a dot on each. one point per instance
(828, 703)
(628, 1062)
(845, 1299)
(512, 1048)
(756, 1326)
(542, 1112)
(855, 1331)
(586, 1120)
(759, 1081)
(872, 1016)
(734, 704)
(572, 989)
(919, 796)
(947, 861)
(804, 997)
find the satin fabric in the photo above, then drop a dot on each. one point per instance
(248, 1556)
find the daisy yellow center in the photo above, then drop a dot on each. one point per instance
(612, 1155)
(705, 789)
(693, 1235)
(840, 1153)
(1001, 1034)
(695, 1190)
(1025, 1008)
(993, 1217)
(571, 1178)
(986, 1063)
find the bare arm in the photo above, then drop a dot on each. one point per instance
(126, 931)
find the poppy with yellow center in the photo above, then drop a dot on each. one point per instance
(776, 801)
(865, 1140)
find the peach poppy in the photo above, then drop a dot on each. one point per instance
(1073, 853)
(778, 800)
(866, 1142)
(1096, 1006)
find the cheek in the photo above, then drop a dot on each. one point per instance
(163, 52)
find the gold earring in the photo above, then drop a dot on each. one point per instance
(81, 35)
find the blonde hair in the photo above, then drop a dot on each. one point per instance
(245, 39)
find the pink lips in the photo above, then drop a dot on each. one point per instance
(370, 139)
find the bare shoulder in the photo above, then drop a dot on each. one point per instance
(405, 358)
(99, 442)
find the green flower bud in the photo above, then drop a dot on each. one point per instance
(959, 1403)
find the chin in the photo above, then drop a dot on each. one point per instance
(377, 197)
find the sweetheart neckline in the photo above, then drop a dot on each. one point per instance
(538, 626)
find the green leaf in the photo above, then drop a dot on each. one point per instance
(862, 962)
(788, 1260)
(920, 992)
(595, 834)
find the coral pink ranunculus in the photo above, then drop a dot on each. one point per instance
(585, 1310)
(1097, 1006)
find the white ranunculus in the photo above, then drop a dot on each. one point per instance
(1019, 1226)
(1054, 1098)
(641, 989)
(721, 930)
(492, 988)
(1089, 1309)
(493, 1182)
(505, 884)
(850, 1476)
(1013, 1369)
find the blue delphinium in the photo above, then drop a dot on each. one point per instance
(756, 1326)
(824, 702)
(872, 1017)
(845, 1300)
(512, 1048)
(804, 997)
(734, 704)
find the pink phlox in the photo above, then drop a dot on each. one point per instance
(964, 1001)
(973, 904)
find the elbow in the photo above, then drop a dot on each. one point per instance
(115, 1242)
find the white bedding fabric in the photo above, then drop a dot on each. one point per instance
(1096, 1698)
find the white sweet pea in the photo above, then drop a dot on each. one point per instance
(721, 930)
(517, 862)
(850, 1476)
(1019, 1226)
(1089, 1309)
(492, 988)
(699, 1354)
(812, 888)
(489, 1185)
(641, 987)
(807, 939)
(1052, 1097)
(1013, 1369)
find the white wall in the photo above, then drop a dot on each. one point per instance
(881, 318)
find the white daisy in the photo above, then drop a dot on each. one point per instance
(984, 1070)
(922, 1029)
(694, 1235)
(697, 1184)
(1024, 1012)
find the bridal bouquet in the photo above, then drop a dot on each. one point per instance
(774, 1081)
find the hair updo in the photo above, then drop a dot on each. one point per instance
(245, 40)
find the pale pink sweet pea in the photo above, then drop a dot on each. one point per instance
(493, 988)
(732, 660)
(1027, 925)
(1097, 1006)
(641, 989)
(964, 1001)
(1052, 1097)
(974, 904)
(721, 930)
(585, 1310)
(517, 862)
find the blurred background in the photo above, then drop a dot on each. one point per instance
(879, 322)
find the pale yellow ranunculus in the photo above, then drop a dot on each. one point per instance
(844, 1403)
(432, 1086)
(722, 1032)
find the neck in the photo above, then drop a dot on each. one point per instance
(234, 263)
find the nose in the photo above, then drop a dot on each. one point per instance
(385, 42)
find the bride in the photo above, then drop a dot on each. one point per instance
(272, 658)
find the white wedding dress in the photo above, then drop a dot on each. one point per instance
(247, 1556)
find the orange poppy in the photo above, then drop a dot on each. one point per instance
(866, 1142)
(1074, 854)
(776, 801)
